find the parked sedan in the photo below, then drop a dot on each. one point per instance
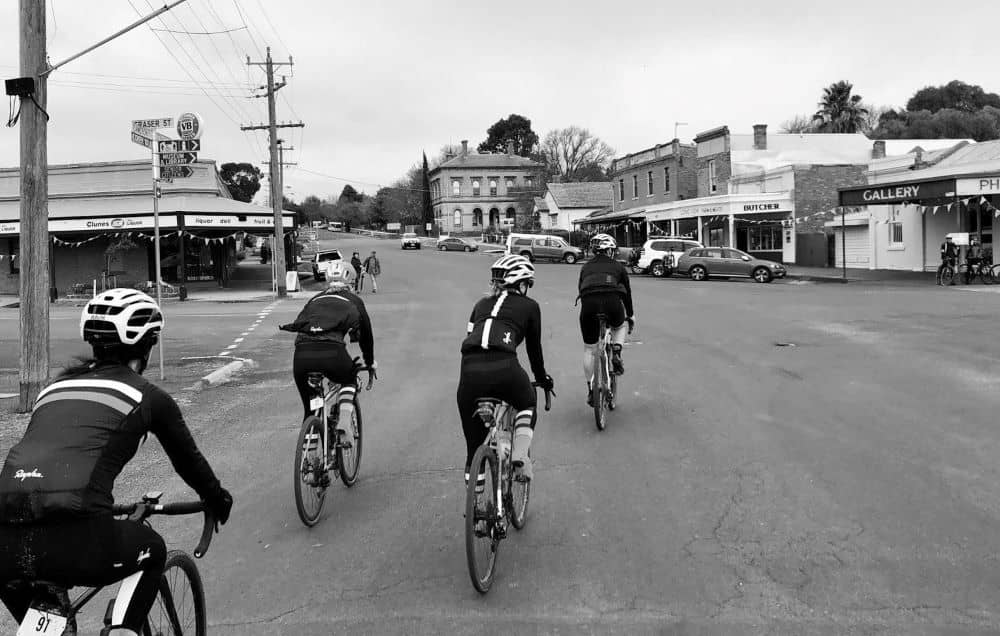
(727, 262)
(456, 244)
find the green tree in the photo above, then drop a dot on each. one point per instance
(241, 179)
(426, 209)
(515, 128)
(956, 95)
(840, 111)
(350, 194)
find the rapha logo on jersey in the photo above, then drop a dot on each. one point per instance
(506, 337)
(34, 474)
(143, 555)
(315, 329)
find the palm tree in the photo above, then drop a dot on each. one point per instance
(839, 110)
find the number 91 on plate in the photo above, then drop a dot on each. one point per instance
(37, 622)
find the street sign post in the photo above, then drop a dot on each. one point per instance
(142, 140)
(140, 125)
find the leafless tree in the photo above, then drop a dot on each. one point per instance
(447, 151)
(870, 120)
(800, 124)
(569, 152)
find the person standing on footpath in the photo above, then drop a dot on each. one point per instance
(949, 256)
(374, 269)
(356, 263)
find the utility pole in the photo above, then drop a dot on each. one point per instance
(281, 188)
(272, 128)
(34, 248)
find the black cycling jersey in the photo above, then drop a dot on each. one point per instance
(604, 274)
(332, 315)
(500, 323)
(84, 428)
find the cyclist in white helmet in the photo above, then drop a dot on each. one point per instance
(498, 324)
(324, 325)
(604, 289)
(56, 483)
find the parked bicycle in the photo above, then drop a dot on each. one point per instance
(320, 451)
(984, 270)
(179, 607)
(499, 496)
(604, 386)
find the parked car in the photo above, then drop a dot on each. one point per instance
(726, 262)
(321, 257)
(658, 256)
(410, 240)
(544, 247)
(455, 243)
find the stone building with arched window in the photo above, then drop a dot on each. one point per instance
(473, 192)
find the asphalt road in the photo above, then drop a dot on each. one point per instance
(846, 484)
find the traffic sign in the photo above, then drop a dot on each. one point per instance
(177, 158)
(178, 145)
(175, 172)
(189, 126)
(140, 125)
(142, 140)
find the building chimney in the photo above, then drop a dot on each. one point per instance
(465, 147)
(878, 149)
(760, 137)
(510, 147)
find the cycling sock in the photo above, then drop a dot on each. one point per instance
(345, 407)
(522, 443)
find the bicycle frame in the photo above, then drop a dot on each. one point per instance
(501, 423)
(327, 391)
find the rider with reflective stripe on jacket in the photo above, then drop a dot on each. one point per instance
(604, 289)
(498, 324)
(56, 484)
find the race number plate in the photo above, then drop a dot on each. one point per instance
(316, 403)
(40, 623)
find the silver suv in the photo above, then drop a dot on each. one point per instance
(659, 255)
(546, 247)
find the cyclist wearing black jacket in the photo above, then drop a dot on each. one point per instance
(56, 483)
(498, 324)
(324, 325)
(604, 289)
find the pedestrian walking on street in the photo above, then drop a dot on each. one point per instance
(356, 263)
(373, 269)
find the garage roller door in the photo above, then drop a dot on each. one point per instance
(858, 246)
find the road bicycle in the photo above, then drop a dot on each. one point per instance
(321, 451)
(987, 273)
(179, 607)
(604, 385)
(497, 494)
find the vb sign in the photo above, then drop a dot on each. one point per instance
(189, 126)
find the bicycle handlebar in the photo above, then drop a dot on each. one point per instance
(140, 511)
(549, 394)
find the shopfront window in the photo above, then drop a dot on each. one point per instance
(764, 238)
(715, 236)
(14, 260)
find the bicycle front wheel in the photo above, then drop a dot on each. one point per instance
(947, 276)
(349, 448)
(600, 390)
(311, 477)
(520, 492)
(179, 607)
(482, 539)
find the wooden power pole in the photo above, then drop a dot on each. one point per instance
(34, 248)
(275, 181)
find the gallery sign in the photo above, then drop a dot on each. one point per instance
(898, 193)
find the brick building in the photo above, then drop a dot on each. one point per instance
(474, 192)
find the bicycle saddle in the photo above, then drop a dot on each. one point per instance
(315, 377)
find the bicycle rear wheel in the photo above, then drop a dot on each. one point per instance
(986, 275)
(613, 389)
(349, 448)
(482, 539)
(520, 493)
(947, 275)
(311, 477)
(179, 607)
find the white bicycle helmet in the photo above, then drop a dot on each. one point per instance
(510, 270)
(340, 272)
(603, 242)
(120, 316)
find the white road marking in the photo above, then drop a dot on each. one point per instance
(238, 340)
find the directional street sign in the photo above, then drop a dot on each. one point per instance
(142, 140)
(178, 145)
(139, 125)
(175, 172)
(177, 158)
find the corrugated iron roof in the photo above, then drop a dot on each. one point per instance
(592, 194)
(476, 160)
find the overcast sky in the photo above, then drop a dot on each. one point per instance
(376, 83)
